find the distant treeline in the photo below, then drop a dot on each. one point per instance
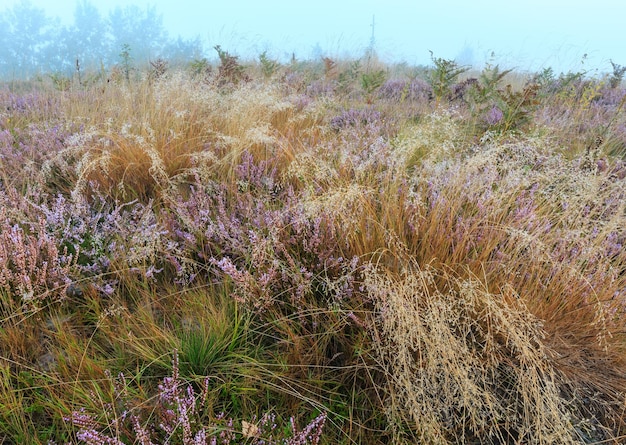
(32, 43)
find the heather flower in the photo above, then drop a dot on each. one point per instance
(32, 266)
(394, 89)
(93, 437)
(179, 414)
(398, 90)
(355, 117)
(494, 115)
(321, 88)
(82, 420)
(610, 98)
(294, 81)
(301, 101)
(258, 176)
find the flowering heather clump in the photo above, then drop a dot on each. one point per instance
(33, 269)
(321, 88)
(6, 143)
(33, 106)
(180, 416)
(355, 117)
(29, 149)
(611, 98)
(461, 89)
(394, 89)
(493, 116)
(399, 90)
(266, 251)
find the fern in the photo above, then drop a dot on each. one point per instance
(445, 74)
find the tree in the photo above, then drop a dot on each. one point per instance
(5, 60)
(183, 50)
(26, 38)
(141, 30)
(86, 40)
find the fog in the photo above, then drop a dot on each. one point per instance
(43, 36)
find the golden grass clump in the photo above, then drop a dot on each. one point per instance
(437, 137)
(153, 137)
(463, 364)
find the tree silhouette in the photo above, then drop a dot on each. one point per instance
(32, 43)
(141, 30)
(26, 38)
(87, 39)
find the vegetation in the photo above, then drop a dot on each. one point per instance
(328, 252)
(33, 44)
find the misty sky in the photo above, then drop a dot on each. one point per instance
(531, 35)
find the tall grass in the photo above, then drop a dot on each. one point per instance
(334, 252)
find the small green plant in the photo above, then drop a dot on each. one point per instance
(488, 83)
(268, 66)
(200, 68)
(230, 70)
(500, 109)
(219, 343)
(617, 76)
(158, 68)
(568, 85)
(518, 107)
(126, 60)
(444, 75)
(60, 82)
(371, 81)
(546, 81)
(349, 76)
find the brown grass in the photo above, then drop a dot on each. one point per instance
(487, 299)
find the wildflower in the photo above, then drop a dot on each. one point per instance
(494, 115)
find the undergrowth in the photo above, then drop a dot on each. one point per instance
(332, 252)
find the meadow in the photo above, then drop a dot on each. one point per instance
(314, 252)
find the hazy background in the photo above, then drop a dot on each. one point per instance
(528, 35)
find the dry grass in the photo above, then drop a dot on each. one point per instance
(314, 247)
(463, 364)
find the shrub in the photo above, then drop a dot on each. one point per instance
(33, 268)
(180, 416)
(230, 70)
(443, 76)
